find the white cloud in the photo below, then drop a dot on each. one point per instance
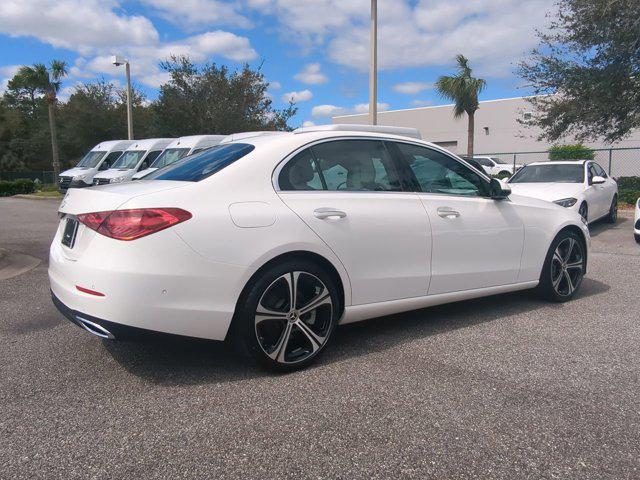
(275, 85)
(195, 13)
(6, 73)
(79, 25)
(411, 88)
(311, 74)
(297, 97)
(493, 34)
(326, 111)
(308, 123)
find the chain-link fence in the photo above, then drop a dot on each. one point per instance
(617, 162)
(46, 177)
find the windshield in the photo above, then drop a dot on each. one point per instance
(558, 173)
(497, 160)
(91, 159)
(169, 156)
(129, 159)
(197, 167)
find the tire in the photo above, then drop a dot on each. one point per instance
(612, 216)
(637, 237)
(281, 338)
(563, 268)
(584, 212)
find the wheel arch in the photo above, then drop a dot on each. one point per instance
(341, 284)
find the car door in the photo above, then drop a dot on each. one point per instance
(595, 194)
(348, 192)
(477, 241)
(609, 188)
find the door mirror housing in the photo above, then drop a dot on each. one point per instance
(499, 190)
(597, 180)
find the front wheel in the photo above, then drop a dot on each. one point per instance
(563, 268)
(613, 210)
(637, 237)
(289, 315)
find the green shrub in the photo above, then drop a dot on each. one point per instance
(571, 152)
(630, 183)
(15, 187)
(628, 196)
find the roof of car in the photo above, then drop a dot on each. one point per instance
(191, 141)
(563, 162)
(149, 143)
(111, 144)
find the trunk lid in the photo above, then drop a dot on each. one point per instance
(110, 197)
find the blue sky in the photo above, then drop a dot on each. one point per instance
(313, 50)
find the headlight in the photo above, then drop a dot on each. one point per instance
(117, 180)
(566, 202)
(79, 177)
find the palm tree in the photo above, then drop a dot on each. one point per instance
(47, 82)
(463, 89)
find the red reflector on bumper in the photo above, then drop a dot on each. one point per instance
(90, 292)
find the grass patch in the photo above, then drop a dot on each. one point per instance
(49, 194)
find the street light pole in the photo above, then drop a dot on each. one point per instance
(117, 61)
(373, 65)
(129, 106)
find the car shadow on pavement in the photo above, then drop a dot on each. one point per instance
(601, 226)
(186, 361)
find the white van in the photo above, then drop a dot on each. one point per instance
(99, 158)
(137, 157)
(180, 148)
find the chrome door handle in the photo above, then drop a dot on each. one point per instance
(327, 212)
(446, 212)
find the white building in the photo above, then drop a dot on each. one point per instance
(497, 129)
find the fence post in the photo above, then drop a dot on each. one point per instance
(514, 163)
(610, 155)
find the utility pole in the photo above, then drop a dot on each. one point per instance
(117, 61)
(373, 65)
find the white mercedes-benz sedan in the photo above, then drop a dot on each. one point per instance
(273, 241)
(581, 185)
(636, 221)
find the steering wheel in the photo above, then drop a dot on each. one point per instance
(340, 186)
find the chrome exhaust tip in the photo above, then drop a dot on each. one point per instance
(95, 329)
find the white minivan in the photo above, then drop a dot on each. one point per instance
(138, 156)
(99, 158)
(180, 148)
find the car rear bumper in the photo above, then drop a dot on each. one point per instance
(153, 284)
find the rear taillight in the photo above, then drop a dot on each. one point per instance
(133, 223)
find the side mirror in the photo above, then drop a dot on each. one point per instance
(499, 190)
(597, 180)
(143, 166)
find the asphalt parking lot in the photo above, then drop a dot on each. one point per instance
(503, 387)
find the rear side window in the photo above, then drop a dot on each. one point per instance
(197, 167)
(350, 165)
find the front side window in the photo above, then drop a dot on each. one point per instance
(169, 156)
(91, 159)
(599, 170)
(129, 159)
(484, 162)
(436, 172)
(111, 158)
(549, 173)
(198, 167)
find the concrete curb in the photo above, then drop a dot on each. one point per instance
(35, 197)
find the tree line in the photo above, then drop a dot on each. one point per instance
(196, 100)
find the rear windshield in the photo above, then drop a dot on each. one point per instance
(129, 159)
(558, 173)
(91, 159)
(169, 156)
(196, 167)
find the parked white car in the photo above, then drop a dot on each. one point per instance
(580, 185)
(275, 240)
(138, 156)
(99, 158)
(177, 149)
(496, 166)
(636, 222)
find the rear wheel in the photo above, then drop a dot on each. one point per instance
(563, 268)
(584, 212)
(289, 315)
(613, 210)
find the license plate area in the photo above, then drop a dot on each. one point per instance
(70, 230)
